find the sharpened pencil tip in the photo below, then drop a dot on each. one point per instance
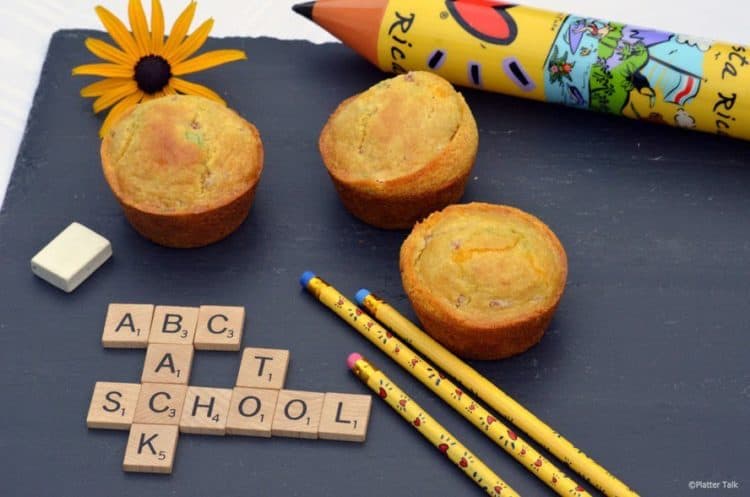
(304, 9)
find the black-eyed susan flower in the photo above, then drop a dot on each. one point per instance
(146, 65)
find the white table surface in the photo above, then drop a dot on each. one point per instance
(26, 27)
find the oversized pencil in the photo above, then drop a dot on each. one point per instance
(429, 428)
(577, 61)
(444, 388)
(496, 398)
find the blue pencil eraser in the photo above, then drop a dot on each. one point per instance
(361, 295)
(305, 278)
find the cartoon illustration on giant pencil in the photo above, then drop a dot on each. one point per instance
(581, 62)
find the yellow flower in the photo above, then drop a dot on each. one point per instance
(146, 66)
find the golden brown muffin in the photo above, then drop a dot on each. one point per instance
(483, 279)
(184, 169)
(401, 149)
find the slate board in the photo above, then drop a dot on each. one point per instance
(645, 365)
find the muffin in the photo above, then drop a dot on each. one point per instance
(483, 279)
(183, 168)
(400, 150)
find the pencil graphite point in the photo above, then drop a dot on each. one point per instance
(305, 278)
(352, 359)
(304, 9)
(361, 295)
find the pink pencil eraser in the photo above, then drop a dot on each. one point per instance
(353, 357)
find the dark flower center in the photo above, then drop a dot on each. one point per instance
(152, 73)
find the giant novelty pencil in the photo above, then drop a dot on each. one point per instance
(527, 52)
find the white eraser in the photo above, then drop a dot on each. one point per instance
(71, 257)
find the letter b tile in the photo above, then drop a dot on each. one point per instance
(173, 324)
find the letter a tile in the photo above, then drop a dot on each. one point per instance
(151, 448)
(167, 363)
(127, 326)
(112, 405)
(205, 410)
(173, 324)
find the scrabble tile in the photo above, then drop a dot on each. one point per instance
(219, 328)
(71, 257)
(172, 324)
(112, 405)
(151, 448)
(167, 363)
(263, 368)
(345, 417)
(127, 326)
(160, 404)
(297, 414)
(251, 411)
(205, 410)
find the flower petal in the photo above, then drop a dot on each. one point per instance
(179, 29)
(157, 27)
(103, 86)
(114, 95)
(118, 110)
(106, 51)
(118, 31)
(104, 70)
(208, 60)
(190, 88)
(168, 90)
(140, 26)
(192, 43)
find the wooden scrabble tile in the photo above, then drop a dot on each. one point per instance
(127, 326)
(167, 363)
(205, 410)
(251, 411)
(71, 257)
(345, 417)
(172, 324)
(219, 328)
(151, 448)
(112, 405)
(263, 368)
(160, 404)
(297, 414)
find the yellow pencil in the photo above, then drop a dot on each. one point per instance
(444, 388)
(433, 431)
(496, 398)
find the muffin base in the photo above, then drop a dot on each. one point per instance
(193, 229)
(482, 343)
(398, 212)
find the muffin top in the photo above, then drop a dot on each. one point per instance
(486, 264)
(392, 129)
(181, 154)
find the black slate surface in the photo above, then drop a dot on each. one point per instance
(645, 366)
